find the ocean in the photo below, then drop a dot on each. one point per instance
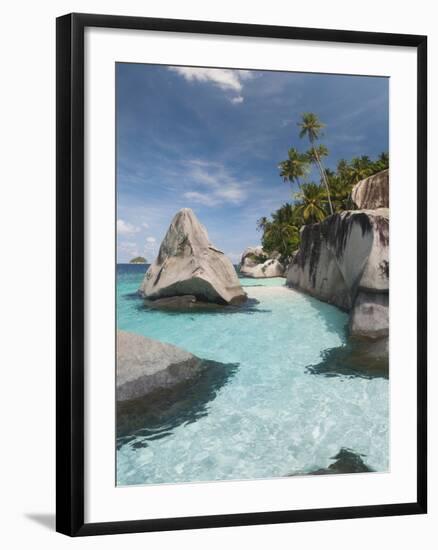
(269, 413)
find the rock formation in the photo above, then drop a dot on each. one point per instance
(373, 192)
(255, 262)
(160, 386)
(344, 260)
(146, 366)
(188, 264)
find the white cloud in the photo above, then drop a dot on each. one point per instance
(228, 80)
(218, 186)
(151, 240)
(145, 225)
(201, 198)
(126, 228)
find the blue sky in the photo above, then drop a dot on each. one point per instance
(211, 140)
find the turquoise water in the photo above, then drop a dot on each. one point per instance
(271, 417)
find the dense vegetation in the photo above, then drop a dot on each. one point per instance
(313, 201)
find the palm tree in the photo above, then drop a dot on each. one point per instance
(382, 162)
(312, 201)
(295, 167)
(360, 168)
(261, 223)
(312, 127)
(285, 234)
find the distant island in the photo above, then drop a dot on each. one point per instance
(138, 260)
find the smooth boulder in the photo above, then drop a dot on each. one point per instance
(256, 263)
(344, 260)
(188, 264)
(145, 365)
(373, 192)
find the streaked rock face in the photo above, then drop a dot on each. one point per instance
(145, 365)
(373, 192)
(188, 264)
(257, 264)
(344, 260)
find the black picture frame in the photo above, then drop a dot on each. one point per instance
(70, 273)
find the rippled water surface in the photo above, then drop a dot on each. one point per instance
(266, 417)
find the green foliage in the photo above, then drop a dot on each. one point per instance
(138, 260)
(296, 166)
(281, 232)
(310, 127)
(257, 259)
(312, 200)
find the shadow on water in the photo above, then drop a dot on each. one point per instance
(355, 359)
(335, 323)
(250, 307)
(157, 415)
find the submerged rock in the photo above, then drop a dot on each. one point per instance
(344, 260)
(145, 365)
(346, 462)
(188, 264)
(183, 304)
(373, 192)
(256, 263)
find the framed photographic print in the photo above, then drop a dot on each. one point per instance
(232, 347)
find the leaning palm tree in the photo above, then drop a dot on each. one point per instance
(311, 204)
(295, 167)
(312, 127)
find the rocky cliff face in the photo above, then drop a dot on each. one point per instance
(344, 260)
(373, 192)
(256, 263)
(188, 264)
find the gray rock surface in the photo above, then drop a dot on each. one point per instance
(145, 365)
(188, 264)
(256, 263)
(344, 260)
(373, 192)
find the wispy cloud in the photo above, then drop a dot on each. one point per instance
(126, 228)
(228, 80)
(218, 185)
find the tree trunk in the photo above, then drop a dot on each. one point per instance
(324, 178)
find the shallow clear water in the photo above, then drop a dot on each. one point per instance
(271, 417)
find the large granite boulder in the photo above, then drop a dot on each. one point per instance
(145, 366)
(344, 260)
(373, 192)
(256, 263)
(189, 265)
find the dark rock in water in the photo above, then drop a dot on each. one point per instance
(363, 358)
(346, 462)
(182, 304)
(157, 414)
